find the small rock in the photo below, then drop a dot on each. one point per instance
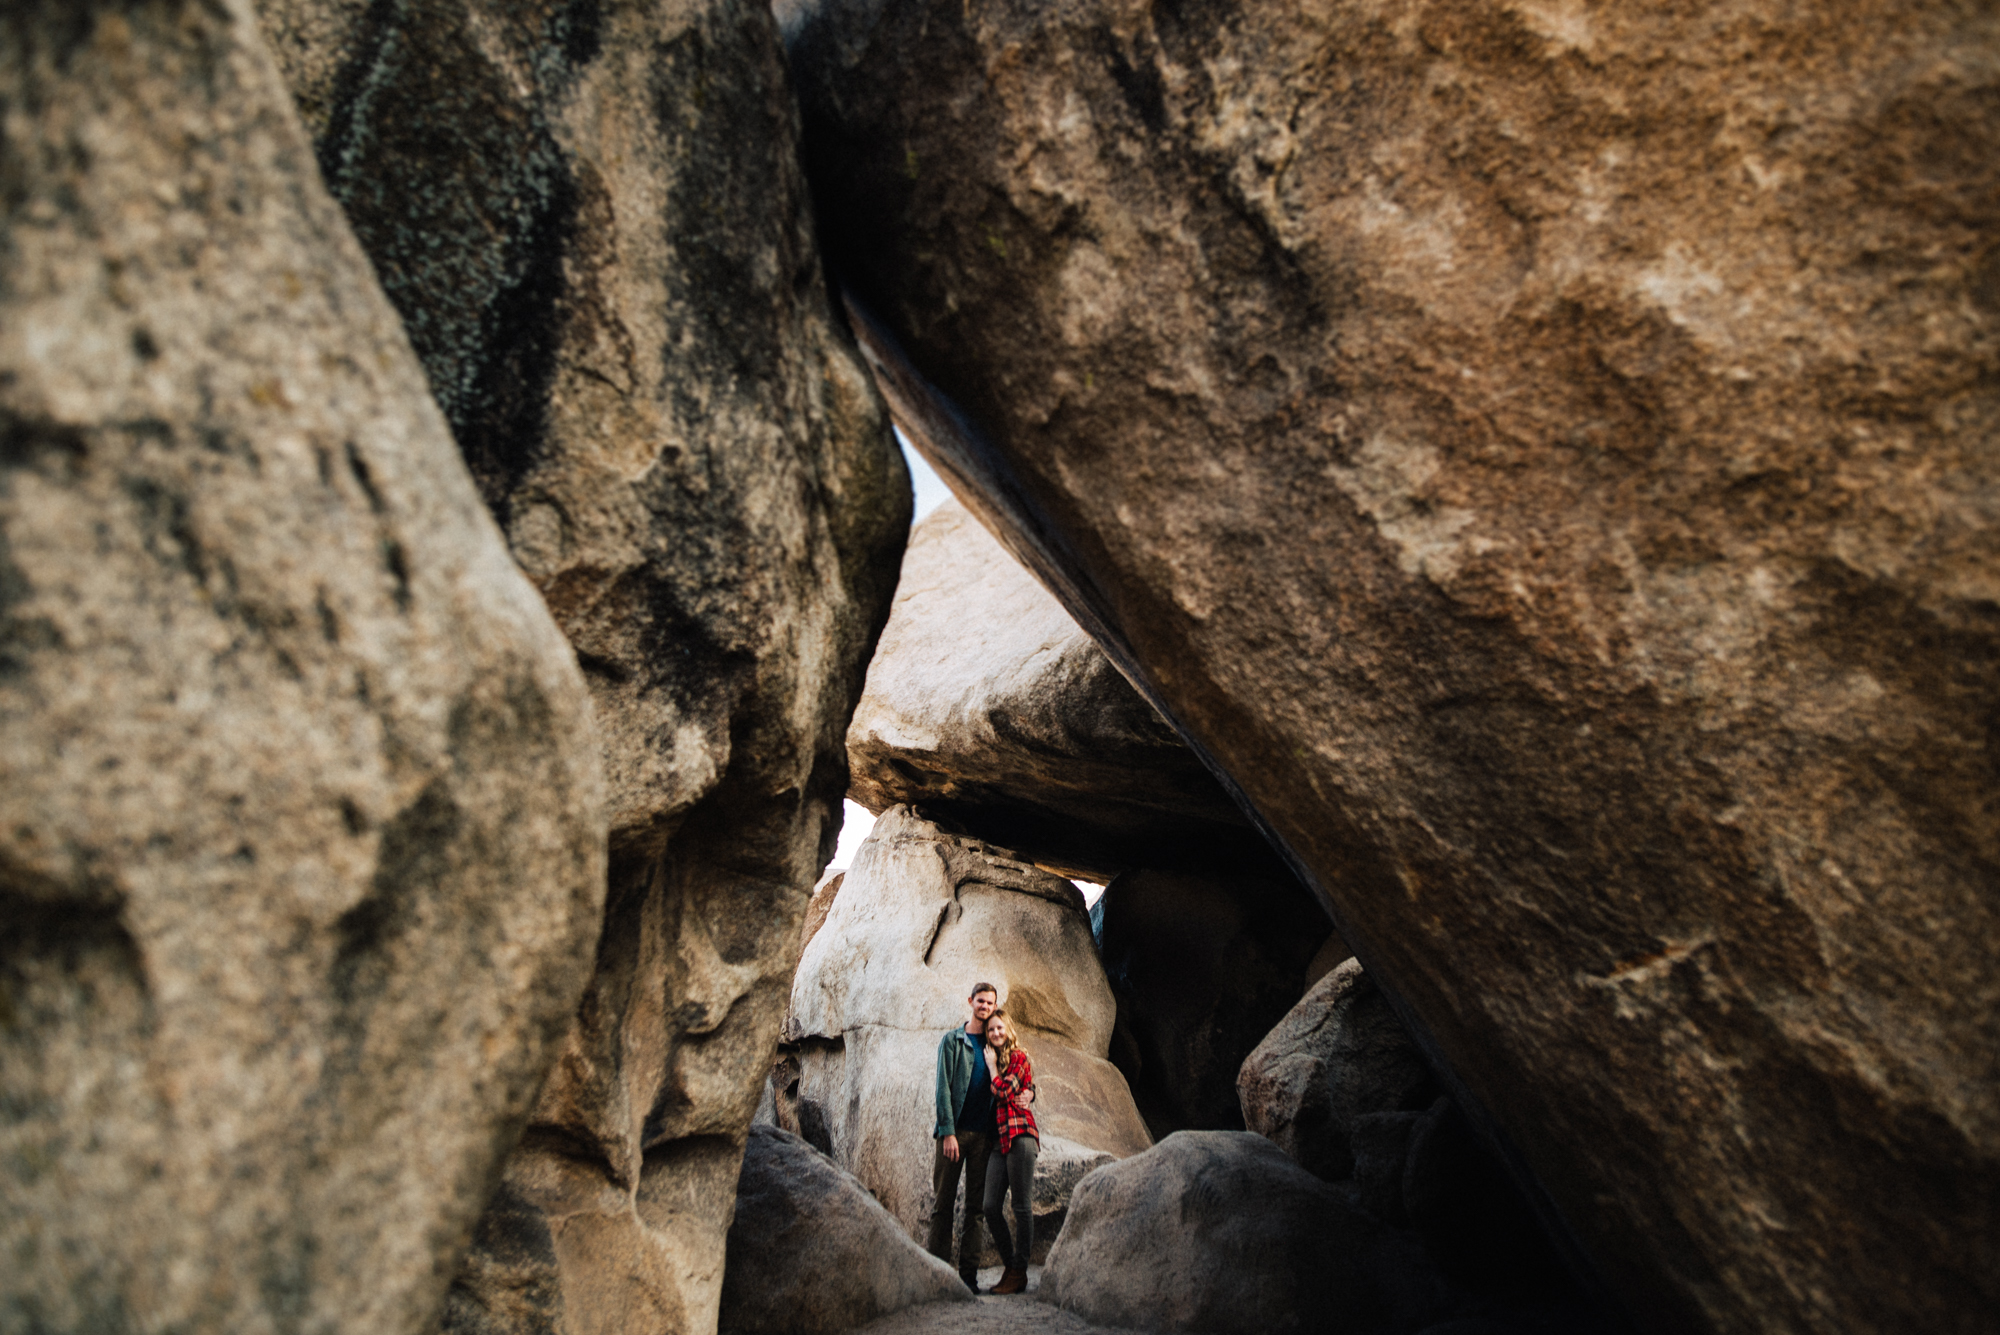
(812, 1253)
(1220, 1232)
(1339, 1055)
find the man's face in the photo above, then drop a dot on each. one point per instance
(983, 1005)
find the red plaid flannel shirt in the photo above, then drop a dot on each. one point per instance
(1010, 1100)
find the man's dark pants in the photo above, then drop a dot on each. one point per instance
(972, 1150)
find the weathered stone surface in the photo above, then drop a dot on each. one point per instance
(819, 906)
(922, 916)
(1203, 966)
(592, 220)
(1337, 1056)
(812, 1253)
(304, 824)
(1544, 454)
(989, 707)
(1219, 1232)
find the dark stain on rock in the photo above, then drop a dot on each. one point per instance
(513, 1282)
(415, 857)
(461, 195)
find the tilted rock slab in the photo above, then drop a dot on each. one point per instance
(812, 1253)
(1544, 454)
(1219, 1232)
(593, 222)
(921, 917)
(989, 707)
(1338, 1056)
(1203, 965)
(304, 824)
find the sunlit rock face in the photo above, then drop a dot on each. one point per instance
(304, 850)
(921, 918)
(592, 221)
(989, 707)
(1544, 455)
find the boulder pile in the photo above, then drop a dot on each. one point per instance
(922, 916)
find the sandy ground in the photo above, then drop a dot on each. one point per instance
(1019, 1312)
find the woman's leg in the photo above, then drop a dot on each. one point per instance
(996, 1189)
(1021, 1181)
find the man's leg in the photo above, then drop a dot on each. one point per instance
(944, 1182)
(971, 1242)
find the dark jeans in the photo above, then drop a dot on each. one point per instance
(1013, 1171)
(972, 1148)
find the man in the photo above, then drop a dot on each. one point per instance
(964, 1133)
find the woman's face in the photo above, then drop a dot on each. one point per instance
(996, 1031)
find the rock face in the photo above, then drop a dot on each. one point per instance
(592, 221)
(1219, 1232)
(812, 1253)
(1202, 966)
(922, 916)
(989, 707)
(1543, 455)
(286, 741)
(1339, 1055)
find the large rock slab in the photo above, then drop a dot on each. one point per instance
(1203, 966)
(592, 220)
(1338, 1056)
(1220, 1232)
(1544, 455)
(922, 915)
(304, 851)
(812, 1253)
(989, 707)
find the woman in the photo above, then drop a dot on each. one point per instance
(1011, 1166)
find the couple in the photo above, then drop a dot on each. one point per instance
(984, 1087)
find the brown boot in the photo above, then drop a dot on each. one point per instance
(1012, 1281)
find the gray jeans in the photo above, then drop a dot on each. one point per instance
(1015, 1172)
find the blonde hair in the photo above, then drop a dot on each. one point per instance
(1001, 1054)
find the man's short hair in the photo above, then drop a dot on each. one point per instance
(977, 988)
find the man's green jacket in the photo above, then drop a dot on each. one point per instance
(957, 1050)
